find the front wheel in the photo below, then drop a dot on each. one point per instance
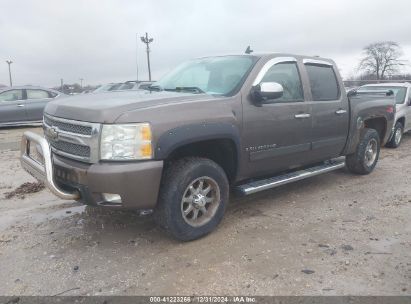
(193, 197)
(365, 158)
(395, 140)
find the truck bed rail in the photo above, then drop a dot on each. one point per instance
(370, 92)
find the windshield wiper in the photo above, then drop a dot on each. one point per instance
(186, 89)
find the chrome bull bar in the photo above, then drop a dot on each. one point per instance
(42, 171)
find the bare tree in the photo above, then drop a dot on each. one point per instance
(381, 59)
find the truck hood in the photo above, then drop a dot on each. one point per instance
(107, 107)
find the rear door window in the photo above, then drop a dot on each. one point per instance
(323, 82)
(37, 94)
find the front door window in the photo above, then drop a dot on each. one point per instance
(286, 74)
(12, 95)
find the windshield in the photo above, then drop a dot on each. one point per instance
(213, 75)
(399, 92)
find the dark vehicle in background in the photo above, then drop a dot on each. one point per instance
(402, 93)
(24, 105)
(245, 122)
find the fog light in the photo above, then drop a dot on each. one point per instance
(112, 198)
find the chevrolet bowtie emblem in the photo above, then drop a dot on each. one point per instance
(53, 133)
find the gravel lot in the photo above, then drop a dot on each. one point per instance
(329, 235)
(10, 138)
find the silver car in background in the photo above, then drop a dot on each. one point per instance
(134, 85)
(24, 105)
(402, 92)
(107, 87)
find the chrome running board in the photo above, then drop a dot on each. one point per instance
(279, 180)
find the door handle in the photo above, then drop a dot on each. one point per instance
(303, 115)
(340, 112)
(20, 105)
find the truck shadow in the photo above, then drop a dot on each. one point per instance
(126, 226)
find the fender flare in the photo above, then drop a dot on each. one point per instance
(355, 130)
(187, 134)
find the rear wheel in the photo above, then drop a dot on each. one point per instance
(365, 158)
(397, 136)
(193, 198)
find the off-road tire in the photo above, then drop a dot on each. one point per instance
(177, 177)
(356, 162)
(394, 143)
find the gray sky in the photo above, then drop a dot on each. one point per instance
(96, 39)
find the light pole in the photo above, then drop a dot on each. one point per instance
(81, 83)
(137, 56)
(147, 41)
(9, 62)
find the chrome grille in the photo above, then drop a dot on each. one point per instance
(73, 139)
(69, 127)
(78, 150)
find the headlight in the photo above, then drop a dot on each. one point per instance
(126, 142)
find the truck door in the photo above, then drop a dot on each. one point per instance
(330, 111)
(276, 135)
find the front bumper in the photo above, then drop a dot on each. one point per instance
(137, 183)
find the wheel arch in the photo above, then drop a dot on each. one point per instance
(216, 141)
(379, 124)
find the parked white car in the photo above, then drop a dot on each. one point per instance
(402, 92)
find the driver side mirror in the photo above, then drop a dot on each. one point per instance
(266, 91)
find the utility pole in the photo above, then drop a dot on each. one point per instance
(61, 85)
(9, 62)
(81, 83)
(147, 41)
